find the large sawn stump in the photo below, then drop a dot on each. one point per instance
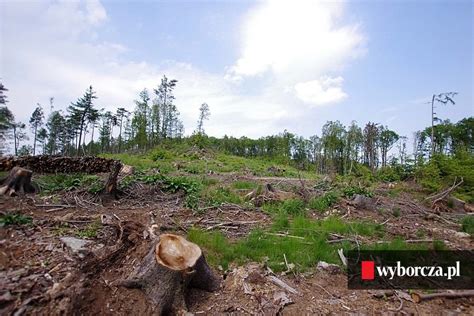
(17, 182)
(170, 268)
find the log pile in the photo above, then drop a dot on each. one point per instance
(58, 164)
(19, 182)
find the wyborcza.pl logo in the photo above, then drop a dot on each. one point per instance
(411, 269)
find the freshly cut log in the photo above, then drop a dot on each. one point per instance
(170, 268)
(17, 182)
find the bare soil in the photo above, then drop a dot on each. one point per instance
(39, 275)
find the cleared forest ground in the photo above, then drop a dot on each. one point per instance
(253, 220)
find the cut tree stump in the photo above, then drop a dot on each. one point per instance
(17, 182)
(170, 268)
(111, 185)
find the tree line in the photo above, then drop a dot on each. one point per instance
(83, 129)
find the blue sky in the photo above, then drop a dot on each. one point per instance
(261, 66)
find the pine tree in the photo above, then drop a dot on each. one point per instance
(140, 119)
(204, 114)
(171, 126)
(19, 135)
(82, 111)
(56, 136)
(121, 114)
(6, 122)
(36, 121)
(3, 97)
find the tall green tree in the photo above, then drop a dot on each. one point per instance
(19, 134)
(121, 114)
(140, 119)
(371, 135)
(387, 138)
(42, 137)
(204, 114)
(3, 97)
(6, 121)
(82, 111)
(56, 126)
(171, 126)
(36, 121)
(442, 98)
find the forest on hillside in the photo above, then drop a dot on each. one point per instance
(83, 129)
(262, 225)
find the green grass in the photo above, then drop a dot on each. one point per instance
(293, 207)
(138, 161)
(166, 158)
(307, 246)
(216, 196)
(467, 223)
(400, 244)
(244, 185)
(396, 212)
(324, 202)
(14, 219)
(90, 231)
(53, 183)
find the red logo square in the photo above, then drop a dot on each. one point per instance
(368, 270)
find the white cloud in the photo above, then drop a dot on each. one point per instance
(324, 91)
(59, 53)
(297, 41)
(297, 38)
(96, 13)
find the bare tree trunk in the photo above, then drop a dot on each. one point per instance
(432, 126)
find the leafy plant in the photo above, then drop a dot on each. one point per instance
(467, 223)
(350, 191)
(14, 219)
(160, 154)
(324, 202)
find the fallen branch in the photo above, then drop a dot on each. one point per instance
(282, 284)
(418, 297)
(343, 258)
(413, 241)
(447, 191)
(333, 296)
(284, 235)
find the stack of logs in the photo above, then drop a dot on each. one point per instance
(21, 169)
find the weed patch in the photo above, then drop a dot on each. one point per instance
(90, 231)
(14, 219)
(324, 202)
(350, 191)
(244, 185)
(67, 182)
(467, 223)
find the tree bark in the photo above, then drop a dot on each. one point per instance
(111, 185)
(170, 268)
(17, 182)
